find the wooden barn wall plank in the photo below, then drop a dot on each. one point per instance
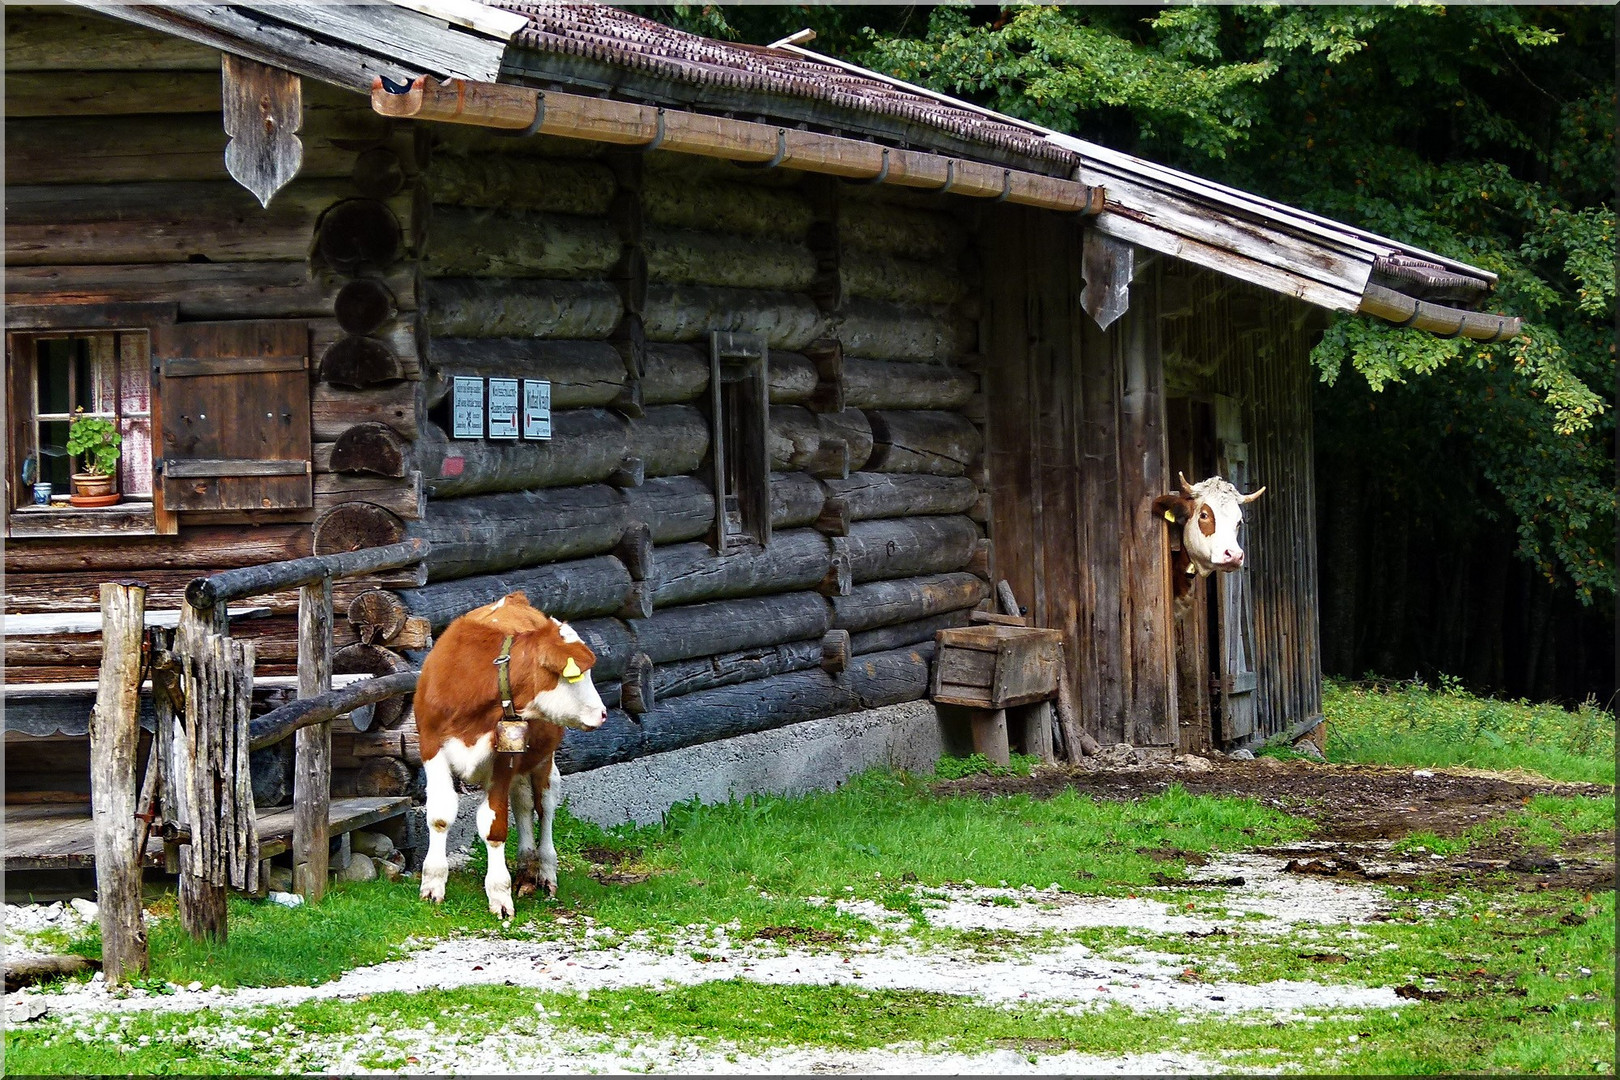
(1238, 341)
(1054, 269)
(1009, 452)
(1147, 646)
(1034, 345)
(154, 218)
(1101, 689)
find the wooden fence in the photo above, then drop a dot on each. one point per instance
(196, 791)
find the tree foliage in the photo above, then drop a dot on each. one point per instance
(1483, 133)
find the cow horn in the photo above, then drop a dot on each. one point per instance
(1186, 488)
(1253, 495)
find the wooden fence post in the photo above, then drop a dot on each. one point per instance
(202, 903)
(312, 767)
(114, 737)
(168, 706)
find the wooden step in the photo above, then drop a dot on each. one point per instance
(61, 836)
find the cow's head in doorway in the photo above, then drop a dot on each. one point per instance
(1210, 513)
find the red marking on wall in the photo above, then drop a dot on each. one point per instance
(452, 466)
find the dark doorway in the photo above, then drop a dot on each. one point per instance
(1192, 450)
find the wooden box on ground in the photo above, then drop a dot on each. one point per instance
(995, 667)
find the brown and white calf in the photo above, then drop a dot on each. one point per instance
(458, 703)
(1210, 513)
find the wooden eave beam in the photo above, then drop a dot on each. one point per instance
(524, 110)
(1436, 319)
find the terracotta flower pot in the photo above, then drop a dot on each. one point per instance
(92, 489)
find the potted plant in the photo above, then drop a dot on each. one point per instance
(96, 441)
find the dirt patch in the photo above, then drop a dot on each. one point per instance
(606, 865)
(1173, 854)
(1340, 867)
(1358, 810)
(607, 856)
(795, 935)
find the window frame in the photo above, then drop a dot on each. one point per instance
(739, 404)
(129, 324)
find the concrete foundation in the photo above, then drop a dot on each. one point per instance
(817, 755)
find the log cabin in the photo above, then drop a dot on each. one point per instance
(758, 367)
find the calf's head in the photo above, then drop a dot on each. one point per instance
(571, 699)
(1210, 514)
(550, 666)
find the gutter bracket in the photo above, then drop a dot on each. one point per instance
(781, 152)
(657, 139)
(882, 175)
(540, 118)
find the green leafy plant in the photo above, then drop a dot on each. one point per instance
(951, 768)
(97, 440)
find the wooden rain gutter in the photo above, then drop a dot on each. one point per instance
(523, 110)
(1438, 320)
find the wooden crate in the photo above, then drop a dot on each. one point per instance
(995, 667)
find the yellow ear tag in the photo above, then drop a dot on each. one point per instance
(1170, 516)
(571, 671)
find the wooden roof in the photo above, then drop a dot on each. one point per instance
(593, 43)
(594, 48)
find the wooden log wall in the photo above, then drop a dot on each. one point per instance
(605, 274)
(416, 255)
(117, 193)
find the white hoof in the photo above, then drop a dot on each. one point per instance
(433, 882)
(500, 904)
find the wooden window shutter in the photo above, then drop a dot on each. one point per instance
(233, 400)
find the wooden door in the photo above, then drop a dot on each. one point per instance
(234, 415)
(1235, 603)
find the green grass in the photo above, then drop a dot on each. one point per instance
(1515, 1000)
(756, 862)
(358, 923)
(1509, 963)
(882, 831)
(1469, 940)
(954, 768)
(1551, 822)
(1412, 724)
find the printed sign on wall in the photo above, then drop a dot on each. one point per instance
(536, 408)
(503, 408)
(467, 407)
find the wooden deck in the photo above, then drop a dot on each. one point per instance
(61, 836)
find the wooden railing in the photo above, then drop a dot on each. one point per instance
(197, 791)
(309, 718)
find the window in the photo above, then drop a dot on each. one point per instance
(739, 403)
(215, 416)
(52, 376)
